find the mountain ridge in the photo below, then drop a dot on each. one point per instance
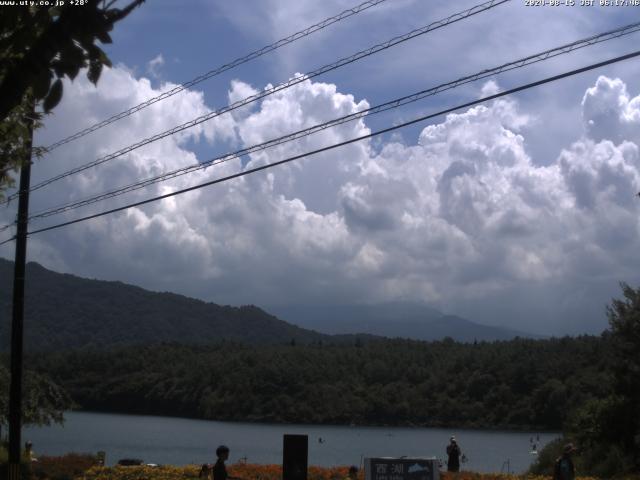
(394, 319)
(65, 311)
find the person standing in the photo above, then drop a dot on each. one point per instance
(219, 469)
(453, 455)
(563, 468)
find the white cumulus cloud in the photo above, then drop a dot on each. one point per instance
(461, 217)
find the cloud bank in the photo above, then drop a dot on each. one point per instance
(460, 218)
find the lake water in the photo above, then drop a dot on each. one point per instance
(179, 441)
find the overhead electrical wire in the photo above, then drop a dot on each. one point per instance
(456, 17)
(221, 69)
(341, 144)
(398, 102)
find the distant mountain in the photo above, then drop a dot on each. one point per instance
(64, 311)
(405, 320)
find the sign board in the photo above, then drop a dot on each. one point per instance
(295, 453)
(391, 468)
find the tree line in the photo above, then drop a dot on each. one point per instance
(514, 384)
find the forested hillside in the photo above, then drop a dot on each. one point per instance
(69, 312)
(515, 384)
(64, 311)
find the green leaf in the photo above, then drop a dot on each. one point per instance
(73, 69)
(73, 58)
(95, 68)
(58, 67)
(55, 94)
(85, 40)
(41, 83)
(96, 54)
(104, 37)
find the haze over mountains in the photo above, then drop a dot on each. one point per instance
(65, 311)
(406, 320)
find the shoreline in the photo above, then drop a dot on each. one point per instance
(179, 441)
(496, 429)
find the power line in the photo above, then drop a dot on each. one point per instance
(398, 102)
(340, 63)
(298, 79)
(221, 69)
(564, 49)
(341, 144)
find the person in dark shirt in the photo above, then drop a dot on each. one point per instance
(219, 469)
(453, 454)
(563, 468)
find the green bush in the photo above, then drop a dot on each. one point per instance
(547, 457)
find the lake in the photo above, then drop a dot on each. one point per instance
(180, 441)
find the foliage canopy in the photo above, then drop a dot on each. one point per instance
(608, 429)
(43, 403)
(39, 46)
(515, 384)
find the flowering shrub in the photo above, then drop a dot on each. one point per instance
(274, 472)
(268, 472)
(66, 467)
(142, 472)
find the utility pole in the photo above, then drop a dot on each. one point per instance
(17, 322)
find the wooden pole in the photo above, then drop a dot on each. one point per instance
(17, 323)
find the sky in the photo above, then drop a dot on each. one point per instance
(520, 212)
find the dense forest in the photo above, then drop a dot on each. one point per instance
(514, 384)
(65, 311)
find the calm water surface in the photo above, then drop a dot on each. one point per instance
(179, 441)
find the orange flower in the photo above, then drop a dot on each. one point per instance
(269, 472)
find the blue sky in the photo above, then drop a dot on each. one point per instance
(518, 213)
(197, 36)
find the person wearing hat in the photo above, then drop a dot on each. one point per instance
(563, 468)
(453, 454)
